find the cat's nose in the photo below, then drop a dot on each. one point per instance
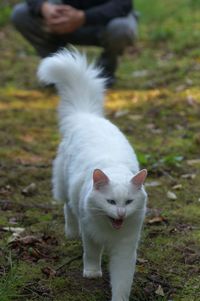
(121, 212)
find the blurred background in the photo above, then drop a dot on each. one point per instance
(168, 33)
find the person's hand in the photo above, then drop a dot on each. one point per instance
(50, 12)
(66, 20)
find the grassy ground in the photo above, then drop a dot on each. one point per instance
(156, 103)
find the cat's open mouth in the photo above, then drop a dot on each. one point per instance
(116, 223)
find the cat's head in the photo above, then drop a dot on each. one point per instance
(117, 200)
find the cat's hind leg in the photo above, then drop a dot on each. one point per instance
(71, 223)
(91, 258)
(59, 185)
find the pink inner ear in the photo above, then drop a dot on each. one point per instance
(139, 178)
(99, 179)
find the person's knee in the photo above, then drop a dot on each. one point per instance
(19, 15)
(121, 32)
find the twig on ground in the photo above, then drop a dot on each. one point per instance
(69, 262)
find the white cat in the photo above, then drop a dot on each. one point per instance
(95, 173)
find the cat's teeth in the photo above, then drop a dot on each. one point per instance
(116, 223)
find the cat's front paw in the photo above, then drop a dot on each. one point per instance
(92, 274)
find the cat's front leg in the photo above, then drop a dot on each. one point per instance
(91, 257)
(122, 268)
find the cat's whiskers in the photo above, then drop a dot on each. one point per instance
(93, 208)
(99, 214)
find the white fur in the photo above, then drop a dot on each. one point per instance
(91, 142)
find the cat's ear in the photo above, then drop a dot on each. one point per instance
(100, 179)
(139, 178)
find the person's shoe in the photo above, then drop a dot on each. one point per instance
(110, 81)
(108, 65)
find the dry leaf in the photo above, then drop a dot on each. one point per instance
(189, 176)
(16, 230)
(177, 187)
(193, 162)
(13, 221)
(30, 190)
(135, 117)
(153, 129)
(189, 82)
(15, 233)
(121, 113)
(28, 240)
(140, 73)
(142, 260)
(48, 271)
(156, 220)
(150, 126)
(179, 127)
(5, 191)
(171, 195)
(190, 100)
(160, 291)
(152, 184)
(180, 88)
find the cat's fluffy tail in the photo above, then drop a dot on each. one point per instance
(78, 83)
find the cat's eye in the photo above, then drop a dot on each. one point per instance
(111, 202)
(129, 201)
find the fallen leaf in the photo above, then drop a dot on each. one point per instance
(5, 191)
(177, 187)
(140, 73)
(29, 190)
(179, 127)
(150, 126)
(181, 228)
(12, 238)
(28, 240)
(190, 101)
(142, 260)
(16, 230)
(193, 162)
(189, 82)
(153, 129)
(13, 221)
(15, 233)
(135, 117)
(27, 138)
(157, 220)
(152, 184)
(37, 254)
(160, 291)
(180, 88)
(30, 160)
(171, 195)
(48, 271)
(120, 113)
(189, 176)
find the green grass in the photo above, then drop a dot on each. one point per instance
(161, 109)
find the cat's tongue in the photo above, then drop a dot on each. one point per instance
(116, 223)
